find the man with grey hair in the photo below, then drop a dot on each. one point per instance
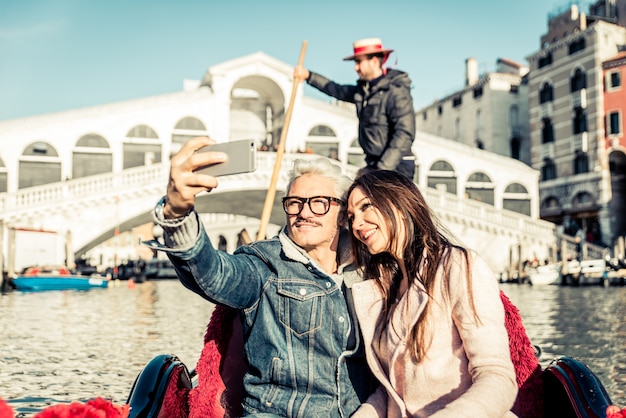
(293, 291)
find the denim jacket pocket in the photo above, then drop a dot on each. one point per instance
(301, 306)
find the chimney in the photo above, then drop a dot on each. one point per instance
(471, 71)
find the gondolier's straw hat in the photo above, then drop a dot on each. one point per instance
(368, 46)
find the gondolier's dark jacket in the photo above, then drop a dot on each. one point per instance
(386, 115)
(301, 338)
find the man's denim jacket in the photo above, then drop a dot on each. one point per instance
(301, 338)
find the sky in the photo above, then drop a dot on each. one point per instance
(58, 55)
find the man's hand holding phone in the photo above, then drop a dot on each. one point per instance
(241, 158)
(223, 159)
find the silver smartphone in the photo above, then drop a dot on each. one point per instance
(241, 158)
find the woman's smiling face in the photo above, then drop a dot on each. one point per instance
(367, 223)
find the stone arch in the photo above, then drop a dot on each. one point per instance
(322, 140)
(92, 155)
(583, 200)
(185, 129)
(516, 199)
(480, 187)
(257, 110)
(39, 164)
(141, 147)
(551, 209)
(441, 175)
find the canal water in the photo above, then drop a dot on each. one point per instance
(56, 347)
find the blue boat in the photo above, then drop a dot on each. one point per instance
(41, 278)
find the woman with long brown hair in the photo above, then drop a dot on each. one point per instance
(429, 310)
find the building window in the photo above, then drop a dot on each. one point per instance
(548, 170)
(546, 60)
(578, 81)
(478, 91)
(516, 144)
(457, 101)
(577, 45)
(424, 116)
(581, 163)
(514, 89)
(547, 131)
(580, 121)
(614, 123)
(613, 80)
(440, 110)
(546, 94)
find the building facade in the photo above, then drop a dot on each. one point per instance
(490, 112)
(568, 120)
(614, 75)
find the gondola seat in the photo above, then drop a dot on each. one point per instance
(566, 388)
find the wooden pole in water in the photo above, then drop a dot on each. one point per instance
(271, 191)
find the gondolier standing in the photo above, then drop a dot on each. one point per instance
(383, 102)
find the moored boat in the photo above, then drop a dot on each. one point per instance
(545, 275)
(42, 278)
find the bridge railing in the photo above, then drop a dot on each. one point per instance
(101, 184)
(441, 201)
(95, 187)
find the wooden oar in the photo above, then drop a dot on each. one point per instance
(271, 191)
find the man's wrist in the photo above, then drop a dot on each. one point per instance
(164, 212)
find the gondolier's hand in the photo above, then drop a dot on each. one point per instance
(301, 73)
(184, 183)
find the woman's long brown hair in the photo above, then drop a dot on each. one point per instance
(424, 249)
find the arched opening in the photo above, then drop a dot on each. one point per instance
(584, 216)
(257, 111)
(39, 164)
(480, 187)
(516, 199)
(92, 155)
(551, 210)
(185, 129)
(322, 140)
(141, 147)
(442, 176)
(355, 154)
